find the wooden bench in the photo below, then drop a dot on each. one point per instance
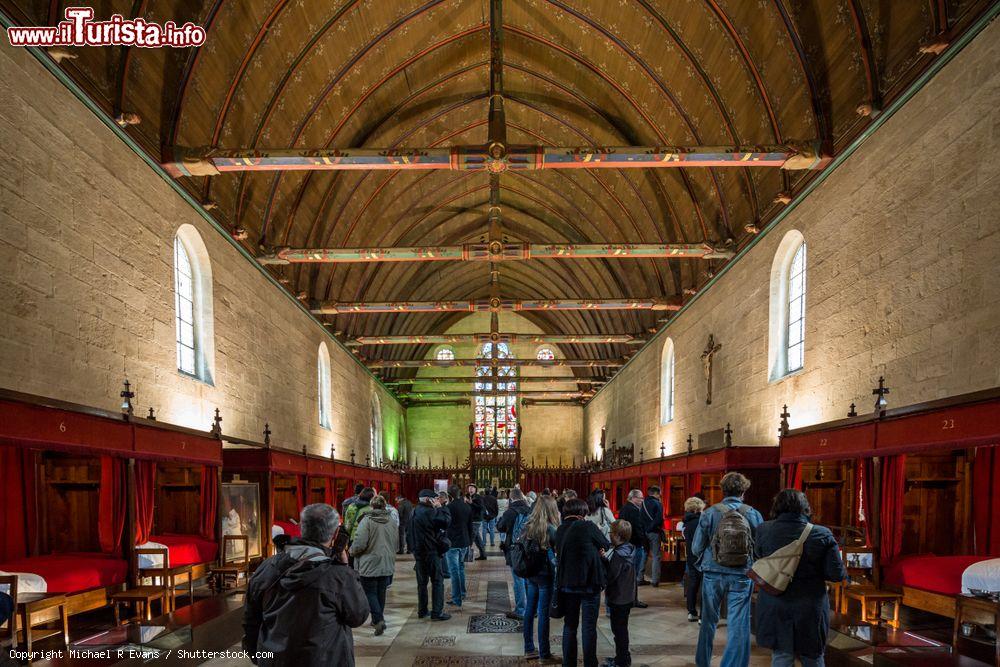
(226, 574)
(872, 599)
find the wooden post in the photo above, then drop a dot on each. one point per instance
(265, 526)
(966, 504)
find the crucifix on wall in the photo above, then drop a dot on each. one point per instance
(707, 358)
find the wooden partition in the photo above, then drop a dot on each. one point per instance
(830, 488)
(177, 507)
(69, 502)
(936, 512)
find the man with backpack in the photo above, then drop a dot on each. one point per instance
(511, 524)
(428, 541)
(723, 543)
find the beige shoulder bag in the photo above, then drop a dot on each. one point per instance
(772, 573)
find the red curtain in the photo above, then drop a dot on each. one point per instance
(986, 501)
(17, 506)
(303, 488)
(793, 475)
(112, 499)
(694, 483)
(328, 492)
(891, 511)
(145, 490)
(209, 501)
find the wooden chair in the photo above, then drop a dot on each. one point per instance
(142, 597)
(227, 573)
(166, 574)
(26, 605)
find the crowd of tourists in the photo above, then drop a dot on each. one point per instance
(565, 554)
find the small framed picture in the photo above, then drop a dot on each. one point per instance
(858, 558)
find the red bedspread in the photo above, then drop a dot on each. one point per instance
(187, 549)
(72, 572)
(937, 574)
(291, 529)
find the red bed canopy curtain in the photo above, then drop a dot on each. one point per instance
(891, 511)
(209, 501)
(986, 501)
(793, 475)
(145, 489)
(112, 500)
(694, 483)
(17, 513)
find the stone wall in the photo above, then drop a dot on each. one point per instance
(547, 430)
(903, 243)
(86, 291)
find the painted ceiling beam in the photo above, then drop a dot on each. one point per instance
(496, 252)
(542, 393)
(503, 363)
(490, 305)
(212, 162)
(531, 339)
(521, 379)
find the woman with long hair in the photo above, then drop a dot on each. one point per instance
(540, 533)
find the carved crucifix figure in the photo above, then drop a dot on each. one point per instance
(707, 358)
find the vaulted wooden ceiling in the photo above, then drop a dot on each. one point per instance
(409, 73)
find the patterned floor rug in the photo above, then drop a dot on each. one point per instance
(497, 597)
(493, 624)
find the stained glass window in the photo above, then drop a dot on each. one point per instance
(445, 354)
(796, 310)
(667, 383)
(545, 354)
(495, 423)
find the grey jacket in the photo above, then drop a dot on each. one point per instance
(376, 542)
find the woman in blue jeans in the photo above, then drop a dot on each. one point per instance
(540, 530)
(580, 578)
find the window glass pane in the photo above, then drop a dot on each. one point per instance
(545, 354)
(795, 331)
(184, 306)
(495, 417)
(186, 356)
(445, 354)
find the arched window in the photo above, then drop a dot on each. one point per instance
(376, 432)
(193, 305)
(495, 424)
(667, 382)
(545, 354)
(323, 386)
(444, 353)
(786, 340)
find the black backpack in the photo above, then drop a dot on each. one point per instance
(732, 543)
(527, 558)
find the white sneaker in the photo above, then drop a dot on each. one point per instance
(692, 618)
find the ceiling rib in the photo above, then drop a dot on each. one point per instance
(531, 339)
(493, 304)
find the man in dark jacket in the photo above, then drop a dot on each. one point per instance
(478, 510)
(302, 602)
(580, 578)
(424, 538)
(693, 508)
(632, 512)
(405, 509)
(795, 624)
(491, 510)
(515, 516)
(460, 535)
(652, 508)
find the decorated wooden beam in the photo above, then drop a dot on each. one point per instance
(211, 162)
(490, 305)
(495, 252)
(503, 363)
(431, 404)
(521, 379)
(546, 394)
(531, 339)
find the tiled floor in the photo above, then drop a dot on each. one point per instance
(660, 635)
